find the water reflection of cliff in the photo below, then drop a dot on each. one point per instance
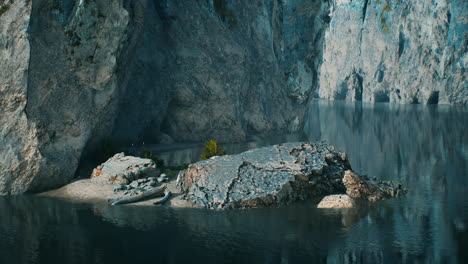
(34, 229)
(425, 148)
(295, 233)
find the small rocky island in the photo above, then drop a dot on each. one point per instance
(271, 176)
(280, 175)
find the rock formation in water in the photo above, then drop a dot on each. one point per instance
(277, 175)
(75, 72)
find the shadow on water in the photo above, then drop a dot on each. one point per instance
(424, 148)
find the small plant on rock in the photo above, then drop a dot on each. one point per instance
(212, 149)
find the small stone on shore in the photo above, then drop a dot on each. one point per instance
(134, 184)
(337, 201)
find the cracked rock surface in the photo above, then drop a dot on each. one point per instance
(121, 169)
(277, 175)
(265, 177)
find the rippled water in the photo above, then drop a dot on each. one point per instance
(425, 148)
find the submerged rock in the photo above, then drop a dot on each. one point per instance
(337, 201)
(121, 169)
(275, 175)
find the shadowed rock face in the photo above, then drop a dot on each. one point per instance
(219, 69)
(275, 175)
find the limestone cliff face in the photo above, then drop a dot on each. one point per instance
(73, 72)
(76, 71)
(18, 135)
(396, 51)
(219, 69)
(58, 86)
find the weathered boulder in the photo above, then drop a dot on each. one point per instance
(276, 175)
(359, 188)
(264, 177)
(121, 169)
(337, 201)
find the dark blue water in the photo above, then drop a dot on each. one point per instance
(425, 148)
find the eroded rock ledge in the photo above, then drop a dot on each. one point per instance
(277, 175)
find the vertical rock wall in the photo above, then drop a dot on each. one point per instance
(18, 135)
(396, 51)
(72, 84)
(220, 69)
(58, 84)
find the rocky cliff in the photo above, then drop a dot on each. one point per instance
(59, 86)
(219, 69)
(396, 51)
(73, 72)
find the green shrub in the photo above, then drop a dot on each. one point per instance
(171, 174)
(178, 167)
(147, 154)
(172, 171)
(212, 149)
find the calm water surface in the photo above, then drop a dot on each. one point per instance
(424, 148)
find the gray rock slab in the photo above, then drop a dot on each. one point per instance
(124, 169)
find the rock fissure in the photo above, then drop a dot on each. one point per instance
(233, 182)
